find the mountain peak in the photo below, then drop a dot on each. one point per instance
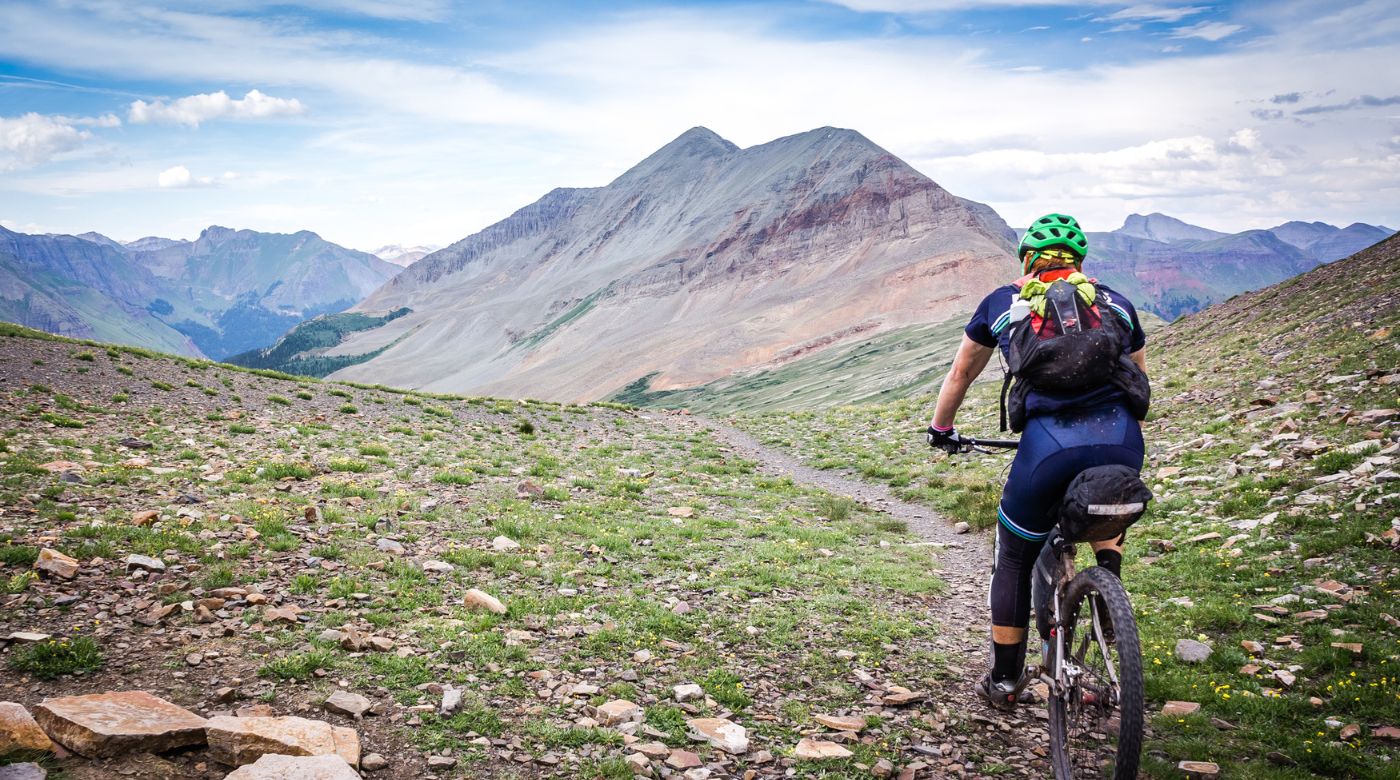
(690, 149)
(1160, 227)
(696, 142)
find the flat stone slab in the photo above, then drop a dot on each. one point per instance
(841, 722)
(275, 767)
(108, 724)
(721, 733)
(19, 732)
(819, 750)
(239, 741)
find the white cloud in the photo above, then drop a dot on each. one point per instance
(32, 139)
(106, 120)
(412, 10)
(1154, 13)
(179, 177)
(924, 6)
(491, 130)
(195, 109)
(1208, 31)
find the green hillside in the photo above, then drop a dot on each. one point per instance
(631, 552)
(301, 350)
(1272, 450)
(896, 364)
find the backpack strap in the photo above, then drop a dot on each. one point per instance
(1005, 387)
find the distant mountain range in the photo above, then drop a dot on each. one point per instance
(1173, 268)
(796, 271)
(226, 292)
(404, 255)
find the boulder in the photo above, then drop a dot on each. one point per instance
(134, 562)
(1177, 709)
(239, 741)
(618, 711)
(504, 544)
(346, 703)
(19, 732)
(688, 692)
(278, 767)
(56, 563)
(108, 724)
(721, 733)
(1191, 651)
(480, 599)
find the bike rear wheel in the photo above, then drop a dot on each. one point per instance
(1096, 723)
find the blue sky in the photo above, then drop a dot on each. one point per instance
(422, 121)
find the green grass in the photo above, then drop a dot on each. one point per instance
(299, 666)
(56, 657)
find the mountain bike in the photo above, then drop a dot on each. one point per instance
(1091, 660)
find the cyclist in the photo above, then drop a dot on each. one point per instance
(1064, 434)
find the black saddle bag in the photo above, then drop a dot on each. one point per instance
(1102, 502)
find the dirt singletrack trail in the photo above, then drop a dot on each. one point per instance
(984, 736)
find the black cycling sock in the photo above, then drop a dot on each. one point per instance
(1111, 560)
(1008, 661)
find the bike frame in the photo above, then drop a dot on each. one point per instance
(1061, 677)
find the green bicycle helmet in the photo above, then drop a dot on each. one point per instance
(1054, 230)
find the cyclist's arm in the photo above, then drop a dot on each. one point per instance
(1140, 357)
(969, 362)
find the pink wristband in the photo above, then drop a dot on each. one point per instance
(940, 428)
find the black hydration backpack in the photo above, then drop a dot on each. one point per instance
(1071, 348)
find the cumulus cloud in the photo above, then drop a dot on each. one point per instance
(179, 177)
(1287, 97)
(32, 139)
(194, 109)
(1207, 31)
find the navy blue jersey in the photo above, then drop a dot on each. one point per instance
(991, 327)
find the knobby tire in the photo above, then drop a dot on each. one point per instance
(1068, 716)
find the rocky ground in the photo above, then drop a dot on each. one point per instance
(1265, 575)
(469, 587)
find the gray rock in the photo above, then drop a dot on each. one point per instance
(1191, 651)
(134, 562)
(389, 546)
(451, 701)
(346, 703)
(24, 771)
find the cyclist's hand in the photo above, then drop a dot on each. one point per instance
(948, 440)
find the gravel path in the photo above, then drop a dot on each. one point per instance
(987, 736)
